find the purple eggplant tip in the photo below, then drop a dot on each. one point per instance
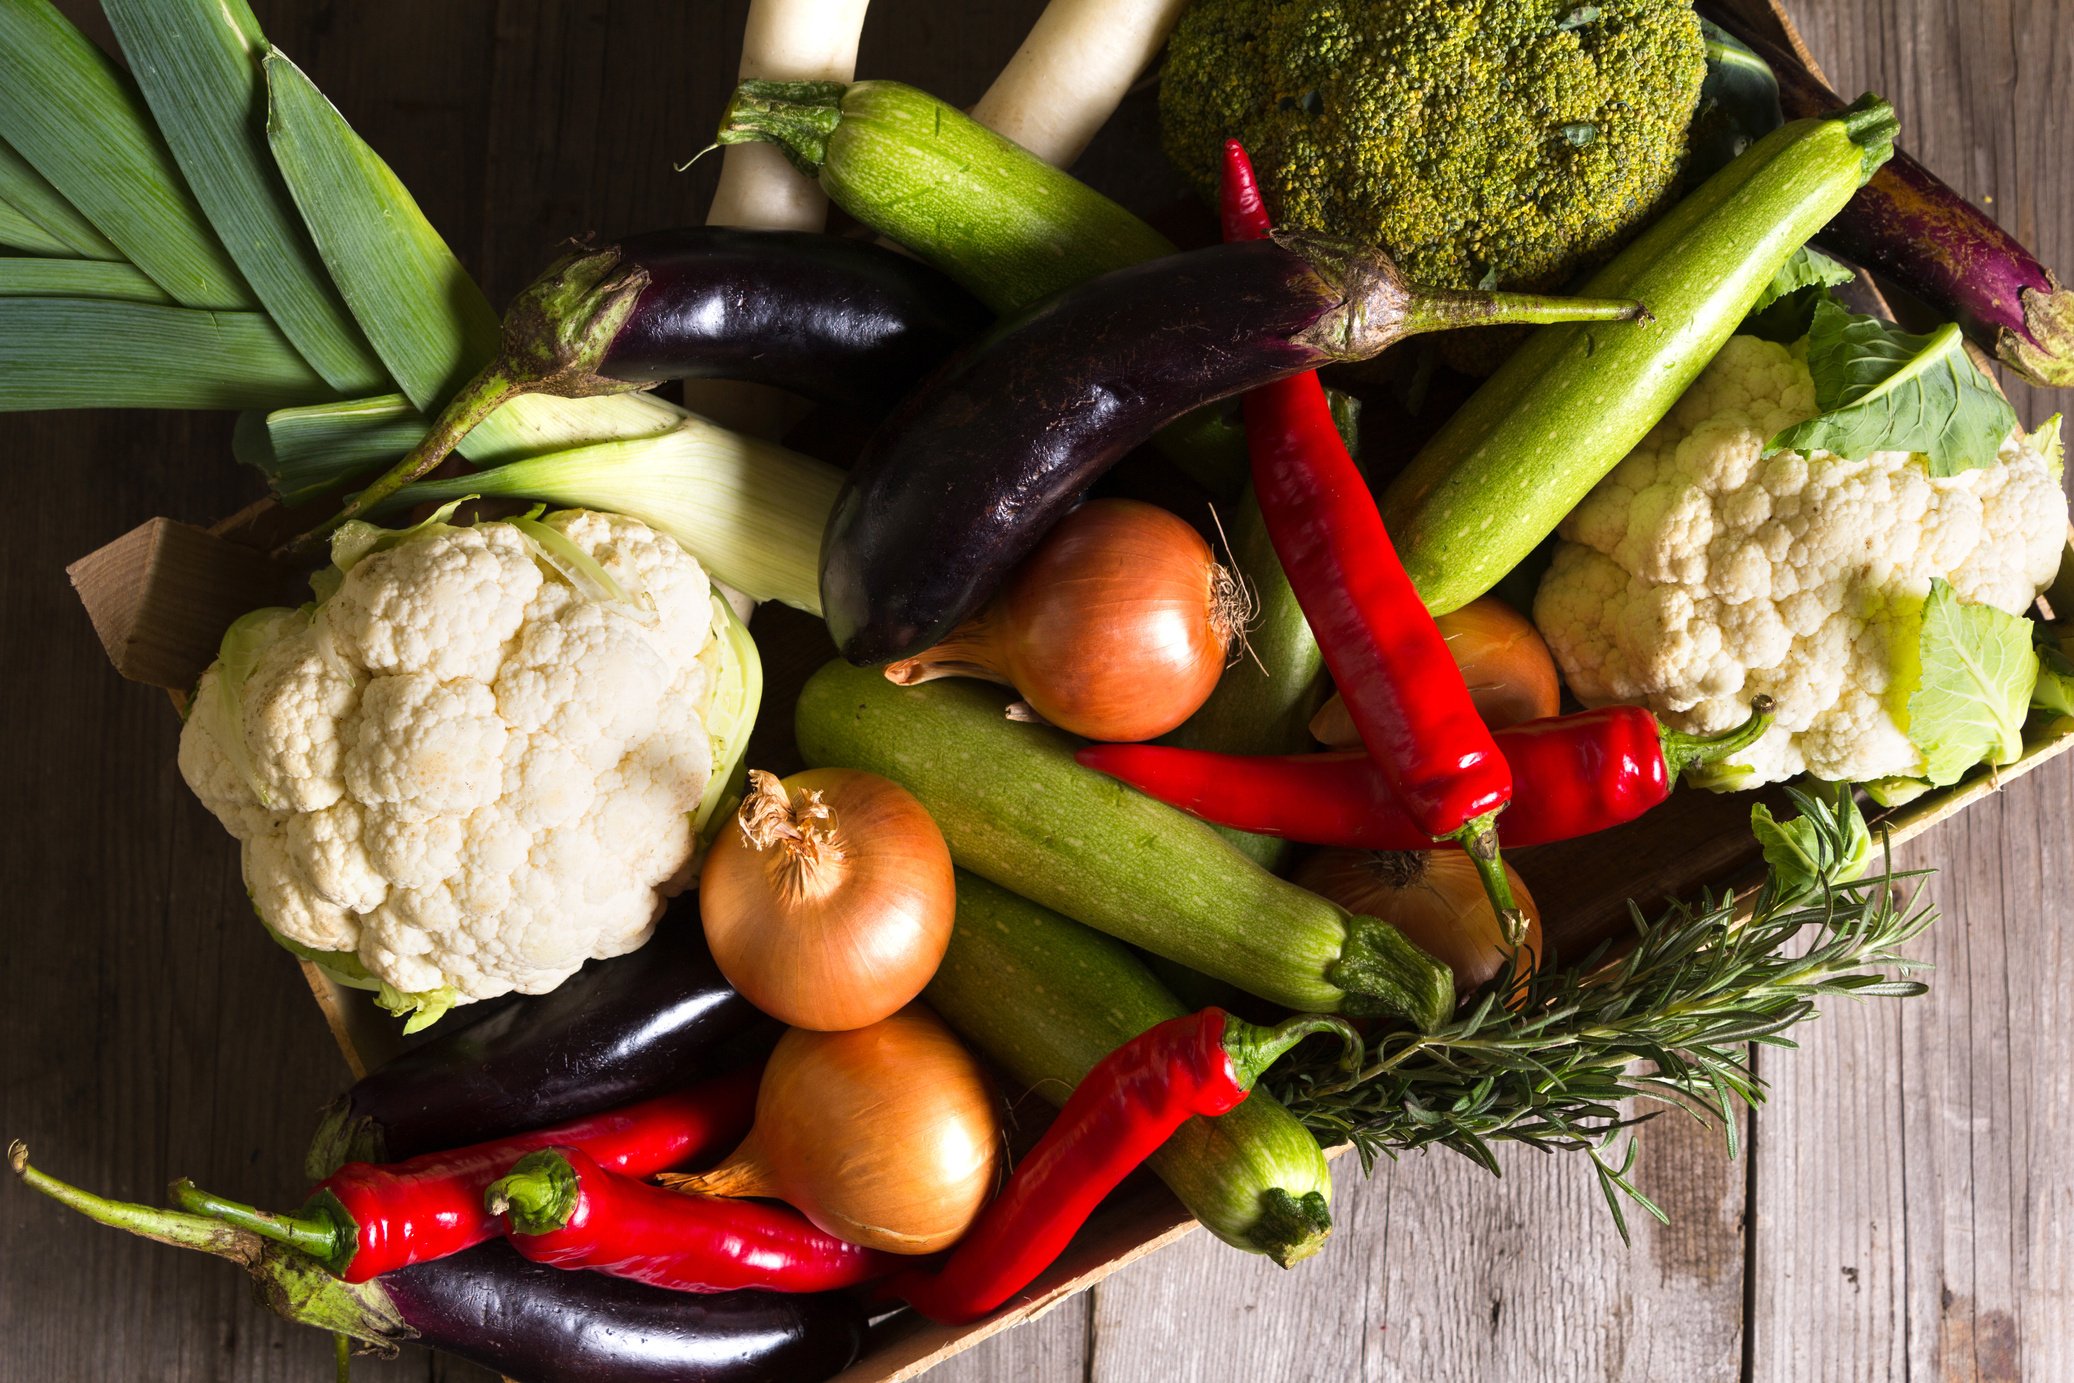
(2044, 351)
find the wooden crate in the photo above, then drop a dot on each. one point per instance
(160, 597)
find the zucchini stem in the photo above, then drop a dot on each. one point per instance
(798, 117)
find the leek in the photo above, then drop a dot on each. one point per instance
(750, 511)
(310, 450)
(76, 117)
(22, 232)
(32, 276)
(424, 315)
(88, 353)
(32, 195)
(197, 62)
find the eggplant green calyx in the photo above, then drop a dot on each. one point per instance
(321, 1230)
(1386, 976)
(797, 117)
(292, 1285)
(1290, 1228)
(341, 1137)
(1377, 307)
(1682, 751)
(538, 1195)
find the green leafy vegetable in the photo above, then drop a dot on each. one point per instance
(96, 353)
(737, 695)
(1547, 1059)
(1796, 851)
(31, 276)
(27, 191)
(1968, 701)
(309, 450)
(1884, 390)
(425, 317)
(197, 62)
(1786, 310)
(19, 231)
(2055, 689)
(70, 112)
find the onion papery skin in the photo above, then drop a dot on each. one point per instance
(829, 902)
(1504, 661)
(885, 1136)
(1117, 627)
(1436, 899)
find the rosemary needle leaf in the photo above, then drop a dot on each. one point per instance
(1670, 1023)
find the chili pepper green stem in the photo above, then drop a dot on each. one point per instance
(1683, 751)
(320, 1235)
(1479, 841)
(538, 1194)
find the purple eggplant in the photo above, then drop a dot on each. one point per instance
(840, 321)
(962, 482)
(1909, 227)
(621, 1030)
(531, 1322)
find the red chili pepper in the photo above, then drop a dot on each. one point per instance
(1119, 1114)
(1577, 774)
(1402, 689)
(561, 1208)
(366, 1219)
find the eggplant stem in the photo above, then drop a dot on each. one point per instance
(1442, 309)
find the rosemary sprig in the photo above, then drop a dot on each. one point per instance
(1547, 1059)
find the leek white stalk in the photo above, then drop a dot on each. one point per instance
(787, 41)
(783, 40)
(1063, 84)
(749, 510)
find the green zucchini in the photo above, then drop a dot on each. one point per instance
(1048, 998)
(1004, 223)
(1015, 808)
(1576, 398)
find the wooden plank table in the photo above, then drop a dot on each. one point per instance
(1900, 1213)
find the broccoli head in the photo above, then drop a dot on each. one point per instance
(1492, 143)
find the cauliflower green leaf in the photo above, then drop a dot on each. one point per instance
(1884, 390)
(1969, 701)
(1786, 309)
(1827, 844)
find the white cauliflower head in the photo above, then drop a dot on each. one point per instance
(1702, 572)
(481, 761)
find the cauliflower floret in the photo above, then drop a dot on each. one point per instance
(1702, 572)
(463, 771)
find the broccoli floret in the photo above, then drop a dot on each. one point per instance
(1484, 143)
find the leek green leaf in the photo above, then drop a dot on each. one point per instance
(310, 450)
(1880, 389)
(425, 317)
(1969, 698)
(28, 190)
(197, 63)
(77, 118)
(89, 353)
(37, 277)
(21, 233)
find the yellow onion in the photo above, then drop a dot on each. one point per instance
(1436, 899)
(884, 1136)
(1117, 627)
(1501, 654)
(829, 905)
